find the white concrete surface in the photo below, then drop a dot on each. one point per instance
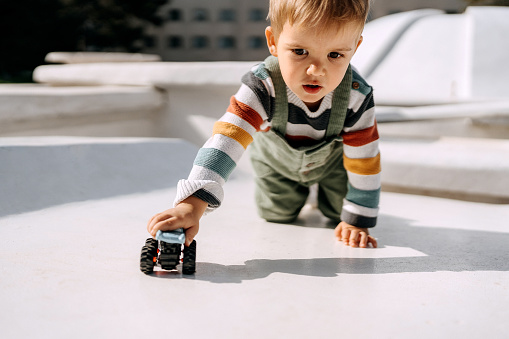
(93, 57)
(34, 109)
(488, 53)
(489, 127)
(41, 172)
(160, 74)
(462, 168)
(427, 57)
(466, 120)
(69, 268)
(382, 34)
(192, 91)
(28, 101)
(439, 113)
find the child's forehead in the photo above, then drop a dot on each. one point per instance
(347, 29)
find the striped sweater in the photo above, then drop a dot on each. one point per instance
(251, 110)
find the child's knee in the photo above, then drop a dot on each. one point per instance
(272, 212)
(282, 206)
(278, 219)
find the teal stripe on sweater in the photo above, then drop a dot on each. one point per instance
(363, 198)
(215, 160)
(260, 72)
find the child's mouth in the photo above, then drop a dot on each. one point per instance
(312, 89)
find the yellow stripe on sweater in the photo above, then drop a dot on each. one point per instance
(234, 132)
(366, 166)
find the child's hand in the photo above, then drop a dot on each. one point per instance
(354, 236)
(187, 214)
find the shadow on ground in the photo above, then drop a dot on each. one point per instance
(43, 176)
(446, 249)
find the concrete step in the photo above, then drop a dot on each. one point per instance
(460, 168)
(40, 109)
(160, 74)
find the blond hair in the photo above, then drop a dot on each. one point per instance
(317, 13)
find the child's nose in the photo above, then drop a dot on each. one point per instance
(316, 69)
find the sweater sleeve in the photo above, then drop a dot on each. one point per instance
(361, 158)
(231, 135)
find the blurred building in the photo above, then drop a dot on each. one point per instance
(198, 30)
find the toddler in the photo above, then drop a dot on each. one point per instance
(309, 118)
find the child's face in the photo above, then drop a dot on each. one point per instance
(313, 62)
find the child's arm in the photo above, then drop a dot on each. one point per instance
(354, 236)
(202, 191)
(231, 135)
(185, 215)
(361, 157)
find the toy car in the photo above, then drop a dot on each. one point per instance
(165, 251)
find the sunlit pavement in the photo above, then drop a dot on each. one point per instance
(71, 268)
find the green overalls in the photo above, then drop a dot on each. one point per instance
(284, 174)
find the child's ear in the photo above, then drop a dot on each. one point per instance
(271, 41)
(359, 43)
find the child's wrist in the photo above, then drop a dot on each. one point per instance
(198, 206)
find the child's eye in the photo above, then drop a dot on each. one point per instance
(300, 51)
(335, 55)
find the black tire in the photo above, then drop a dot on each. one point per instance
(151, 242)
(189, 264)
(148, 256)
(169, 257)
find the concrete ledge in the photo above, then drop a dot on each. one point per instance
(497, 107)
(487, 119)
(460, 168)
(94, 57)
(20, 102)
(490, 127)
(160, 74)
(31, 108)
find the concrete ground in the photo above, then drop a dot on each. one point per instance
(69, 257)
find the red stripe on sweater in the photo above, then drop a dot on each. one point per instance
(245, 112)
(362, 137)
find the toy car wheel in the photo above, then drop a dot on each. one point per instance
(189, 264)
(151, 242)
(148, 256)
(169, 256)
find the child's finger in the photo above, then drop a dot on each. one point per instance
(345, 235)
(337, 231)
(151, 222)
(164, 225)
(190, 234)
(364, 240)
(354, 238)
(157, 219)
(372, 241)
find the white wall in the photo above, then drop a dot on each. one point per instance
(428, 57)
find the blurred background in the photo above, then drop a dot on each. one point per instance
(176, 30)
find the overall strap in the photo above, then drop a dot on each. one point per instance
(339, 107)
(280, 117)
